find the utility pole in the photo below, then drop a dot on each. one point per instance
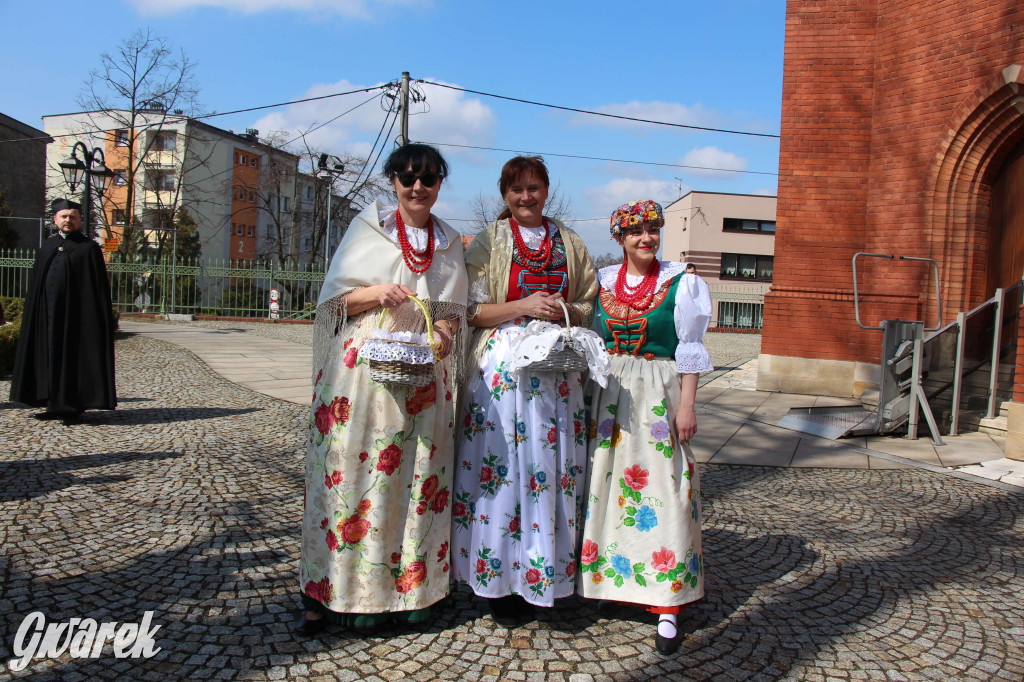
(403, 110)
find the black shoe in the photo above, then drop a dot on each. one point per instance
(667, 646)
(308, 628)
(505, 610)
(524, 609)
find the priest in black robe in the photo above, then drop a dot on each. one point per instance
(65, 356)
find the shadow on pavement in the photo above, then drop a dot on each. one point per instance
(30, 478)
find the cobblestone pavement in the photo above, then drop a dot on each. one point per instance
(186, 501)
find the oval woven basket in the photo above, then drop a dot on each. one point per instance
(569, 358)
(400, 373)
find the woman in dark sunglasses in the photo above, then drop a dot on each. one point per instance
(522, 445)
(377, 518)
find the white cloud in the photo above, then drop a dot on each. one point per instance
(449, 116)
(604, 199)
(359, 9)
(668, 112)
(599, 202)
(706, 158)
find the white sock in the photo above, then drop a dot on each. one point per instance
(667, 625)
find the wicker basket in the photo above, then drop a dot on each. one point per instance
(570, 358)
(400, 373)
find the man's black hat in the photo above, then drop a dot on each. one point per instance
(63, 204)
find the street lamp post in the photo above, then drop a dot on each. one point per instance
(76, 171)
(329, 166)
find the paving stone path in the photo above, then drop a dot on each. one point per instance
(186, 501)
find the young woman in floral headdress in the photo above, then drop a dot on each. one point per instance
(641, 536)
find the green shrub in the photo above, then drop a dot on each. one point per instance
(13, 308)
(8, 344)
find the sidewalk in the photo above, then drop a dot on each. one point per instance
(737, 422)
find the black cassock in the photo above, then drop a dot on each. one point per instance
(65, 355)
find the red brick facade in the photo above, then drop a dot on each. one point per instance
(896, 115)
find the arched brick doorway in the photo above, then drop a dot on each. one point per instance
(979, 152)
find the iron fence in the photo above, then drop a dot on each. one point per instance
(738, 306)
(218, 287)
(228, 288)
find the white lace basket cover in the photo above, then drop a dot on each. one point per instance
(541, 340)
(402, 357)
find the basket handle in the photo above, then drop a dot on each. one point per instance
(565, 310)
(434, 344)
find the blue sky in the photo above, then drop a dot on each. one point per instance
(710, 64)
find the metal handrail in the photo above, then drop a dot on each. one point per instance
(856, 298)
(998, 299)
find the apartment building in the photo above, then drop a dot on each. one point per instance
(730, 238)
(239, 190)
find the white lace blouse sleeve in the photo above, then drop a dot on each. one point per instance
(692, 317)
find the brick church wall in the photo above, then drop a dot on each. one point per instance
(877, 96)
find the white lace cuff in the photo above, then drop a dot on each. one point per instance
(692, 358)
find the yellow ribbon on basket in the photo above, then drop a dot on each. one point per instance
(435, 345)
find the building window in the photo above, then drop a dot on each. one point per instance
(738, 314)
(250, 230)
(284, 203)
(241, 229)
(164, 142)
(121, 138)
(162, 181)
(118, 217)
(120, 178)
(307, 243)
(743, 225)
(252, 162)
(309, 191)
(747, 266)
(252, 198)
(244, 160)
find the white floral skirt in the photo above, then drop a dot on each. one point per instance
(641, 536)
(376, 525)
(517, 504)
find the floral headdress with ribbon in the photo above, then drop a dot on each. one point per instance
(636, 214)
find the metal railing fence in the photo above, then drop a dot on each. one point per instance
(218, 287)
(738, 306)
(242, 289)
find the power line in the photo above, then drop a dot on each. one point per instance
(213, 114)
(600, 158)
(600, 113)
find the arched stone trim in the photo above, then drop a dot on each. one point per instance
(983, 129)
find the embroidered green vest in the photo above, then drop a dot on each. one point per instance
(650, 333)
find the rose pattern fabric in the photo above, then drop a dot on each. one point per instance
(518, 482)
(641, 536)
(377, 518)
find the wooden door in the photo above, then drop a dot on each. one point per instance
(1006, 226)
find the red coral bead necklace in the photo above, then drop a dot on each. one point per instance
(534, 261)
(641, 296)
(418, 261)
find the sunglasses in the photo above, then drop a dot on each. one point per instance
(408, 178)
(638, 231)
